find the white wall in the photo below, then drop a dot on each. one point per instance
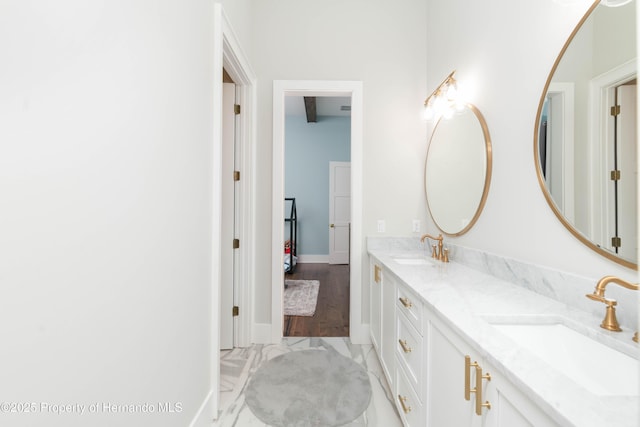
(379, 42)
(105, 207)
(503, 51)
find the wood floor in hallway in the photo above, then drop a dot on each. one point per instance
(331, 318)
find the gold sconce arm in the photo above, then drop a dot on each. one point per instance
(438, 90)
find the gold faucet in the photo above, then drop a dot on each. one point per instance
(610, 322)
(439, 253)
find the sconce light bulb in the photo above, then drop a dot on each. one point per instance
(452, 92)
(447, 113)
(428, 112)
(438, 104)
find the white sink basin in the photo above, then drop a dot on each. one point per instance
(411, 261)
(600, 369)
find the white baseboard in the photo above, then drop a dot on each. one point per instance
(313, 259)
(204, 417)
(360, 334)
(261, 333)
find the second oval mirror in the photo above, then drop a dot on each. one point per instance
(458, 170)
(586, 133)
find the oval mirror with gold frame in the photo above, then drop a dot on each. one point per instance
(458, 170)
(585, 138)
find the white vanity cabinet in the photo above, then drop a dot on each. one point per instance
(453, 367)
(382, 318)
(433, 371)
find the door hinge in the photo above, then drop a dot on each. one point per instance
(616, 242)
(236, 108)
(236, 243)
(236, 175)
(615, 175)
(236, 310)
(615, 110)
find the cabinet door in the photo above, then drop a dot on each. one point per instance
(447, 405)
(375, 309)
(510, 407)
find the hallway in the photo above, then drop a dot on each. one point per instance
(331, 318)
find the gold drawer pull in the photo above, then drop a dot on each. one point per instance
(478, 390)
(467, 376)
(376, 273)
(405, 408)
(405, 347)
(406, 302)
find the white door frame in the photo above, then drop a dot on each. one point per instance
(562, 106)
(227, 53)
(281, 88)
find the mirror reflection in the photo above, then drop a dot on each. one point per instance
(586, 140)
(458, 170)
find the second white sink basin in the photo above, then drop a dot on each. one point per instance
(600, 369)
(412, 260)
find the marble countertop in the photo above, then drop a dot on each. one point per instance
(467, 300)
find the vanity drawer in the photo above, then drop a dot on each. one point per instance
(410, 350)
(411, 306)
(409, 406)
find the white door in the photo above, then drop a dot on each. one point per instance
(227, 214)
(627, 145)
(339, 212)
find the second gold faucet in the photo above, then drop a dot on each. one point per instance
(610, 321)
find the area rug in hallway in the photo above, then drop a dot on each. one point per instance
(300, 297)
(309, 388)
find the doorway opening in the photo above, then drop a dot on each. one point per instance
(352, 90)
(228, 56)
(229, 214)
(317, 184)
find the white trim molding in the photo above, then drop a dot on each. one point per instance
(227, 53)
(359, 332)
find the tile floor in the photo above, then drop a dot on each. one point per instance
(237, 365)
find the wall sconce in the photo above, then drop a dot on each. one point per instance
(444, 100)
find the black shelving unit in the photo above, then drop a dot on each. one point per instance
(292, 220)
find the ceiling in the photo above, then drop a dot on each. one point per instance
(325, 106)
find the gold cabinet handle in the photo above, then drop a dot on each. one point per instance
(376, 273)
(331, 225)
(478, 390)
(405, 347)
(467, 376)
(406, 302)
(403, 401)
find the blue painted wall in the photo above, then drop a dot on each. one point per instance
(309, 147)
